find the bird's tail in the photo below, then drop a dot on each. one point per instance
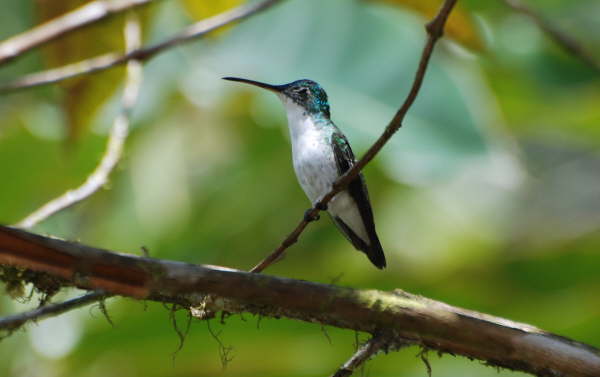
(373, 250)
(375, 253)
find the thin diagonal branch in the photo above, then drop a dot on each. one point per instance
(110, 60)
(362, 355)
(14, 322)
(435, 29)
(567, 42)
(398, 315)
(85, 15)
(116, 138)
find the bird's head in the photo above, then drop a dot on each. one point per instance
(305, 93)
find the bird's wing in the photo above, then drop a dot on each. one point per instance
(344, 158)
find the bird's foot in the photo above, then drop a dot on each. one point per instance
(321, 207)
(308, 216)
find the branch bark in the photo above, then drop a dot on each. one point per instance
(46, 32)
(116, 139)
(435, 30)
(103, 62)
(397, 315)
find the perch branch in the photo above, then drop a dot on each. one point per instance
(568, 43)
(435, 30)
(14, 322)
(116, 138)
(397, 315)
(85, 15)
(110, 60)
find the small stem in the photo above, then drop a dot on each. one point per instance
(83, 16)
(116, 139)
(14, 322)
(361, 356)
(103, 62)
(567, 42)
(434, 31)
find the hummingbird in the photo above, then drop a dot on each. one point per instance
(321, 154)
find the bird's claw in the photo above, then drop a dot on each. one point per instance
(321, 207)
(308, 216)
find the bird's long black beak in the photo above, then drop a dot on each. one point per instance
(273, 88)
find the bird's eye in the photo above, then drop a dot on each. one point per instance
(302, 91)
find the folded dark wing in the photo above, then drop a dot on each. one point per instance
(344, 158)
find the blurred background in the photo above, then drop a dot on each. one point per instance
(488, 198)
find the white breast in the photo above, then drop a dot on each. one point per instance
(314, 161)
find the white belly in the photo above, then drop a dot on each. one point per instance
(314, 163)
(316, 169)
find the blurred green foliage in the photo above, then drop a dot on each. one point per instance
(488, 198)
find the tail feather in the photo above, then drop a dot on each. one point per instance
(376, 255)
(373, 250)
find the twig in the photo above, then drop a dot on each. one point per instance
(82, 16)
(106, 61)
(435, 29)
(14, 322)
(116, 138)
(567, 42)
(181, 334)
(362, 355)
(65, 72)
(399, 314)
(224, 351)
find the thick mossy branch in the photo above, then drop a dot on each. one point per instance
(396, 314)
(16, 279)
